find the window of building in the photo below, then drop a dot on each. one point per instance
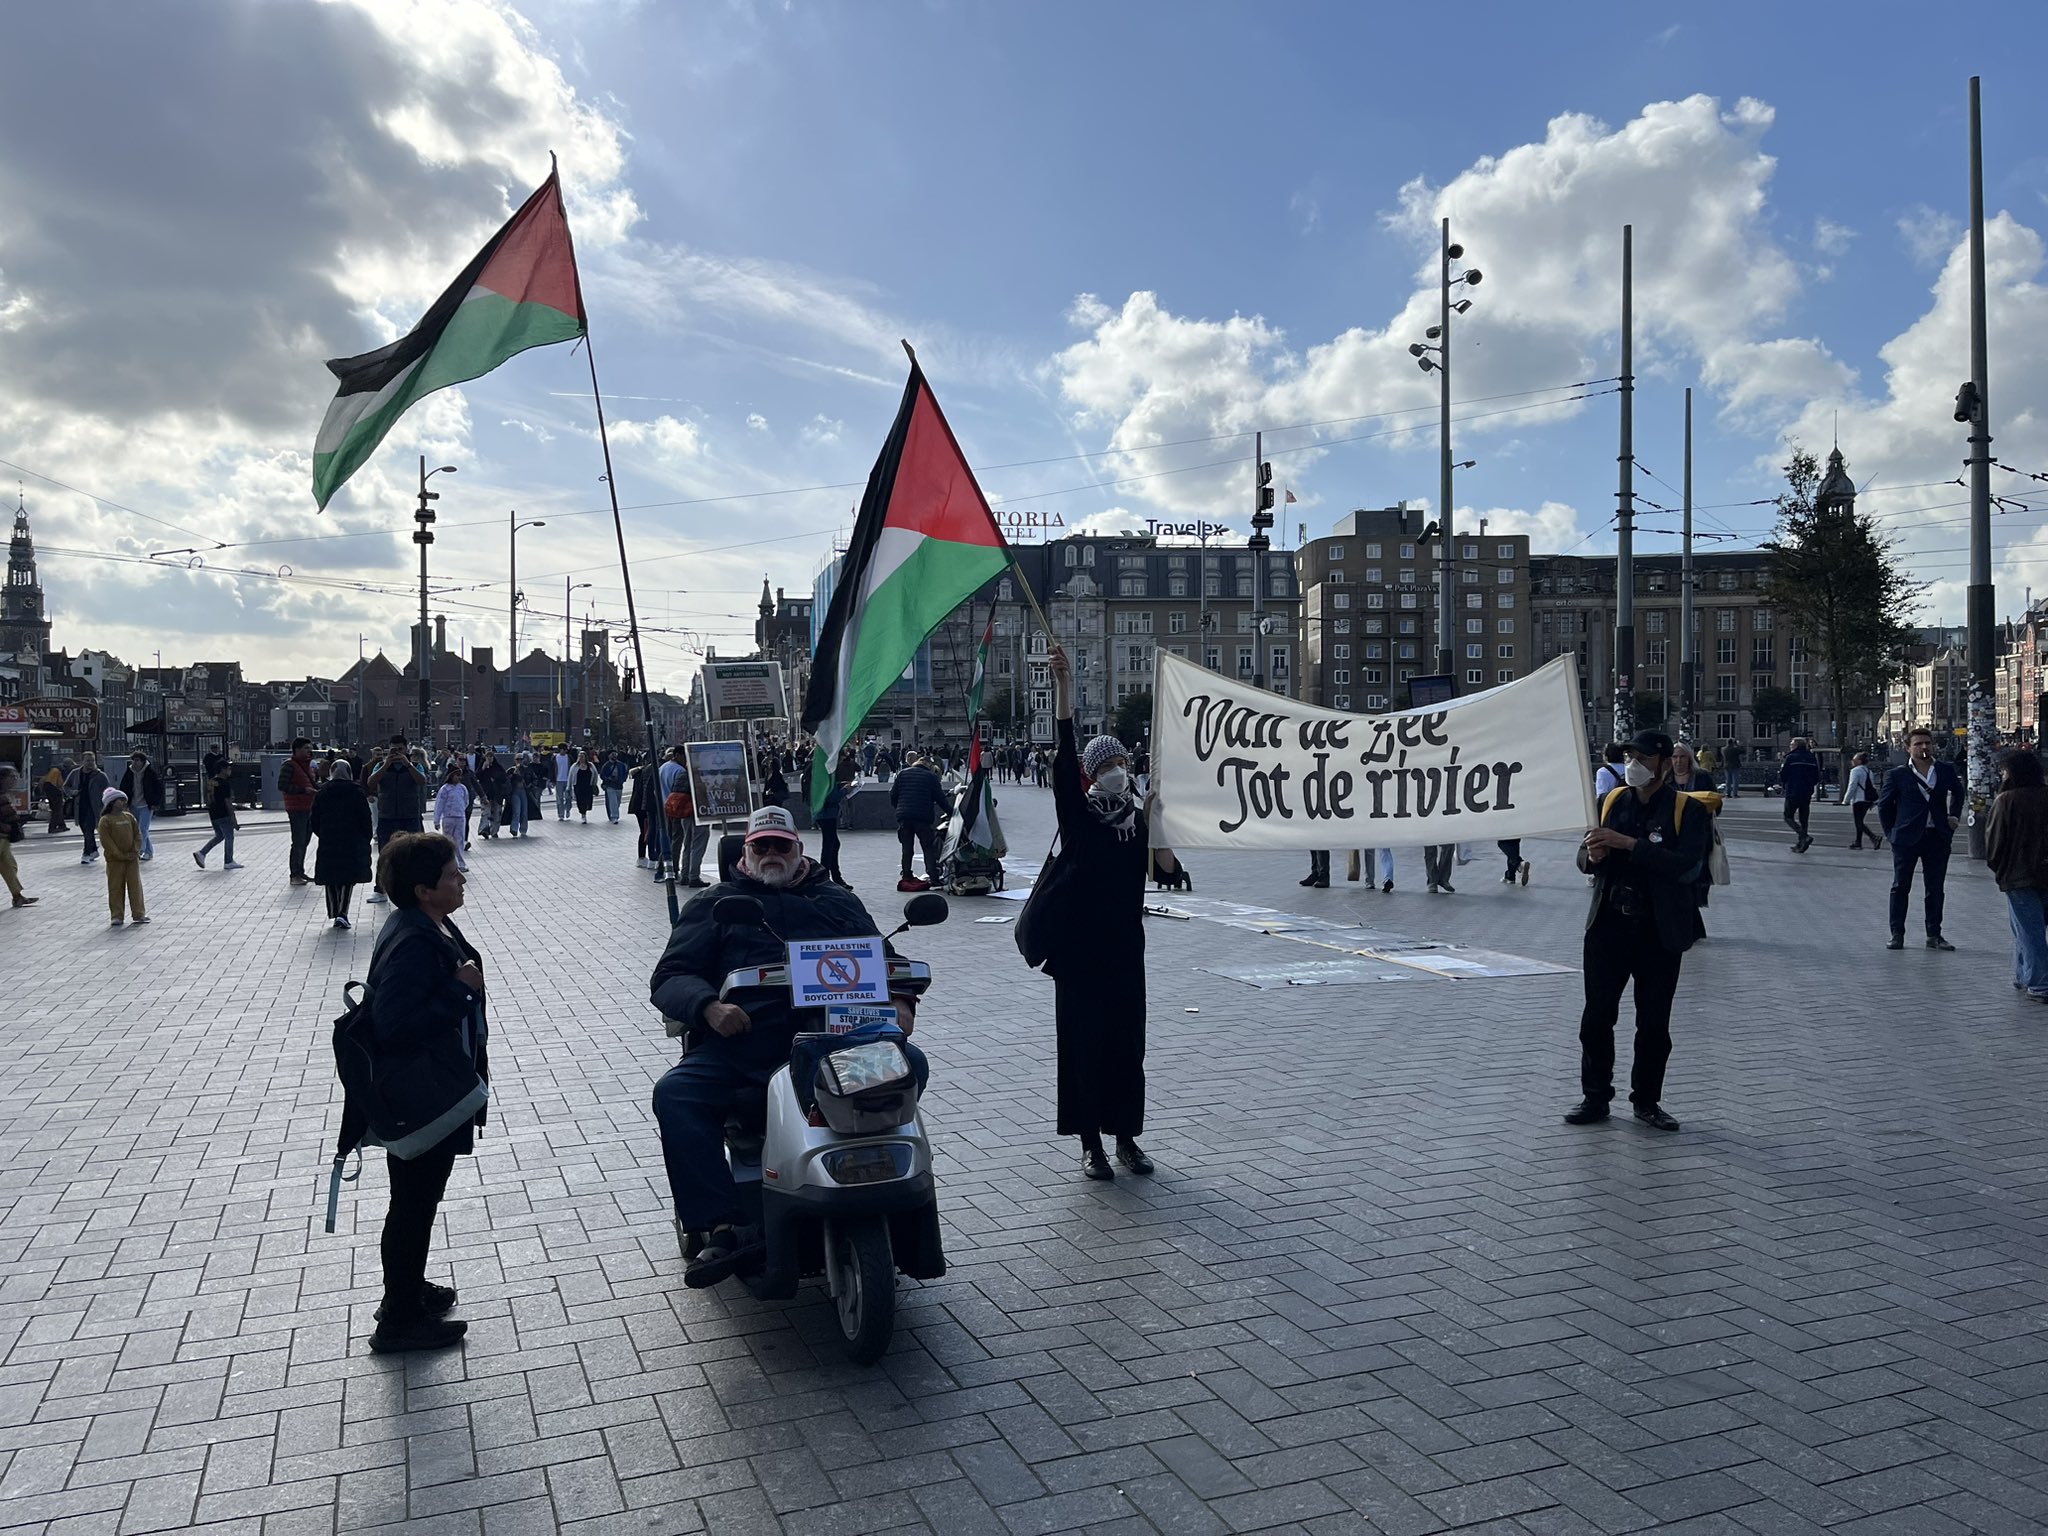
(1405, 674)
(1476, 676)
(1244, 661)
(1130, 562)
(1503, 551)
(1724, 688)
(1654, 652)
(1244, 583)
(1179, 650)
(1724, 621)
(1003, 589)
(1760, 621)
(1407, 626)
(1088, 555)
(1278, 585)
(1137, 658)
(1475, 652)
(1475, 599)
(1335, 578)
(1343, 652)
(1176, 562)
(1343, 626)
(1279, 655)
(1342, 701)
(1653, 622)
(1475, 626)
(1724, 727)
(1503, 599)
(1212, 658)
(1372, 551)
(1407, 651)
(1375, 674)
(1177, 622)
(1341, 677)
(1468, 552)
(1504, 626)
(1375, 574)
(1504, 653)
(1408, 599)
(1724, 652)
(1655, 581)
(1176, 583)
(1727, 581)
(1374, 650)
(1336, 552)
(1244, 622)
(1073, 557)
(1407, 553)
(1469, 576)
(1762, 652)
(1375, 701)
(1503, 577)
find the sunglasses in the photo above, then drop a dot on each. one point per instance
(774, 844)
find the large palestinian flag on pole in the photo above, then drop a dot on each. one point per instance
(521, 291)
(923, 543)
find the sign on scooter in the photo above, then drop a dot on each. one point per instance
(844, 1019)
(824, 973)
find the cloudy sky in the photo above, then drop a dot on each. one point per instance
(1121, 237)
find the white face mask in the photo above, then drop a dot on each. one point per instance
(1639, 774)
(1113, 781)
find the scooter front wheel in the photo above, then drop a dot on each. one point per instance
(862, 1267)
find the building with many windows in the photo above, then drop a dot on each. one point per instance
(1370, 608)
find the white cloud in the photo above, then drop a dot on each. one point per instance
(1830, 238)
(1552, 527)
(665, 436)
(822, 429)
(1929, 234)
(756, 422)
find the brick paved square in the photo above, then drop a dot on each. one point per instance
(1376, 1285)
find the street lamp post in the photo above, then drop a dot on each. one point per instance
(1440, 335)
(567, 602)
(512, 619)
(423, 535)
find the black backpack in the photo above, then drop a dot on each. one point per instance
(356, 1067)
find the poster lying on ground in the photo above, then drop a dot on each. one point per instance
(1236, 767)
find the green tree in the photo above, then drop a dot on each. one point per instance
(1134, 718)
(1775, 710)
(1836, 583)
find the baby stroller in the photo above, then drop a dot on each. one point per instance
(971, 855)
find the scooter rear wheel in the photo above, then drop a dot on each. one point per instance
(863, 1270)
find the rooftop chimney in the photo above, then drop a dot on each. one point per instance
(440, 634)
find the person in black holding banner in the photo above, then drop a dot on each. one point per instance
(1098, 957)
(1645, 857)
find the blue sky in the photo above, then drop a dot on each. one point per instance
(1106, 227)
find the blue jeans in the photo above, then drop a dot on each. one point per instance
(516, 813)
(223, 832)
(562, 798)
(611, 801)
(143, 816)
(2029, 940)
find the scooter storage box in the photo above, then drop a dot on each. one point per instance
(864, 1089)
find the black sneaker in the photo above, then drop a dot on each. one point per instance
(1936, 941)
(1896, 941)
(1095, 1164)
(1650, 1114)
(725, 1253)
(1132, 1156)
(435, 1300)
(417, 1334)
(1586, 1112)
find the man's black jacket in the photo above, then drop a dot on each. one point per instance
(1664, 866)
(701, 951)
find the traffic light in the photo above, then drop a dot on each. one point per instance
(1262, 517)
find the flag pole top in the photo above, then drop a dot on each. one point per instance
(910, 351)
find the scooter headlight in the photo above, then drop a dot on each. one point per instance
(869, 1165)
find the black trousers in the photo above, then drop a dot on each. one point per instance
(1620, 950)
(1319, 864)
(1797, 808)
(302, 837)
(1438, 859)
(1511, 849)
(828, 850)
(924, 837)
(1931, 853)
(338, 897)
(1860, 810)
(417, 1184)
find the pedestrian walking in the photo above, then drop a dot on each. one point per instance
(564, 766)
(121, 836)
(427, 988)
(1098, 951)
(492, 785)
(341, 821)
(399, 784)
(54, 798)
(1689, 778)
(1437, 859)
(87, 786)
(1518, 867)
(584, 784)
(2016, 849)
(1920, 807)
(1731, 764)
(522, 795)
(144, 790)
(612, 773)
(220, 810)
(11, 832)
(451, 809)
(1645, 856)
(1860, 794)
(296, 783)
(916, 794)
(1799, 775)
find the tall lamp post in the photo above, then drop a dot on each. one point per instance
(512, 622)
(1439, 343)
(423, 535)
(567, 619)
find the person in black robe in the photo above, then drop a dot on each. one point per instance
(1098, 964)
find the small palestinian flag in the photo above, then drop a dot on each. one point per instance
(923, 543)
(521, 291)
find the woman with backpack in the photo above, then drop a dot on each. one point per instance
(427, 1036)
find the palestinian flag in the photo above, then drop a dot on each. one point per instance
(521, 291)
(923, 543)
(974, 692)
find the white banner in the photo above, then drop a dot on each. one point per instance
(1236, 767)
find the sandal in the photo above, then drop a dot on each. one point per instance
(723, 1254)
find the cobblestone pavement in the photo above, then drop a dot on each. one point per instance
(1376, 1284)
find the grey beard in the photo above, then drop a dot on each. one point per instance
(777, 877)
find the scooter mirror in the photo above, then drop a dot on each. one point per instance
(925, 910)
(739, 912)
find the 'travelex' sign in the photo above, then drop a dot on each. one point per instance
(1185, 530)
(77, 719)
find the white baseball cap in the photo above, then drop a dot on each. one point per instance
(772, 821)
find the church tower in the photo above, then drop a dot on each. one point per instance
(24, 628)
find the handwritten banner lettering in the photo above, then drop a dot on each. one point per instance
(1237, 767)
